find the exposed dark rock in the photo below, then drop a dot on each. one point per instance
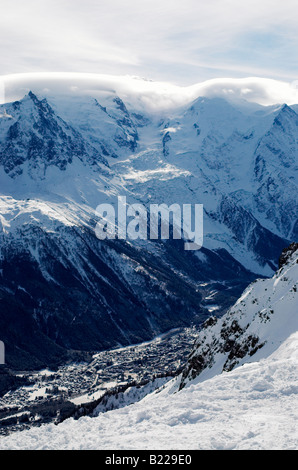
(8, 381)
(286, 254)
(42, 139)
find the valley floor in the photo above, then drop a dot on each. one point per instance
(253, 407)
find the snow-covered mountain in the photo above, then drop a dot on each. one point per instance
(61, 156)
(253, 406)
(260, 321)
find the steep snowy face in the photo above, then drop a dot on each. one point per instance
(207, 153)
(106, 124)
(275, 167)
(260, 321)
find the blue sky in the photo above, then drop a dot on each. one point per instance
(183, 42)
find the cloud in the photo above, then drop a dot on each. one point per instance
(147, 94)
(170, 40)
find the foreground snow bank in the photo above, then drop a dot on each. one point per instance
(252, 407)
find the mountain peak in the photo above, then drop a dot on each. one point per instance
(285, 112)
(287, 254)
(40, 137)
(32, 95)
(41, 104)
(34, 98)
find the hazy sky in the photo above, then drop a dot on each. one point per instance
(183, 41)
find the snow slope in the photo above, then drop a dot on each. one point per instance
(254, 406)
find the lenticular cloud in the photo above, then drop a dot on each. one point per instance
(148, 94)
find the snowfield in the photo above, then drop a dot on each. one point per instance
(253, 407)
